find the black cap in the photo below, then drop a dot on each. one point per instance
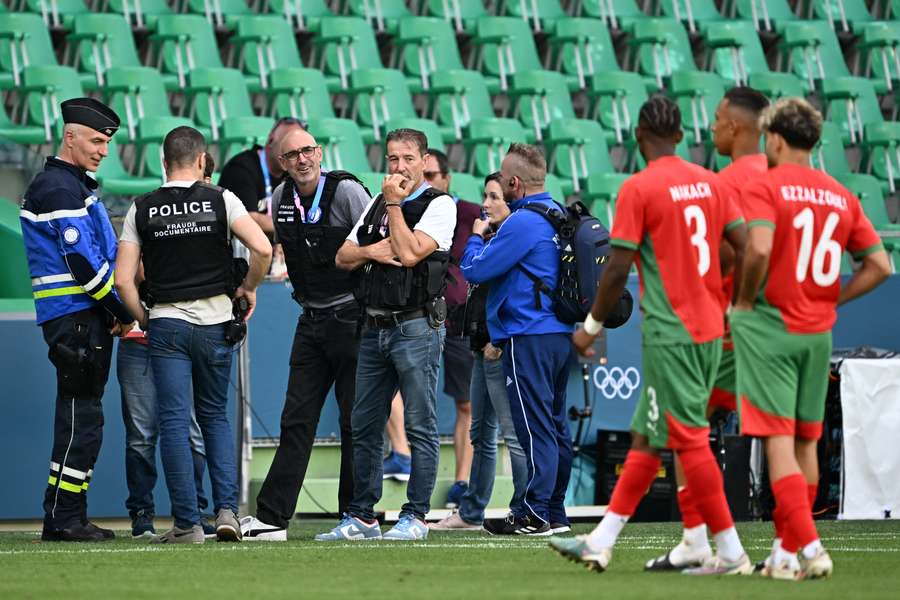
(92, 113)
(618, 316)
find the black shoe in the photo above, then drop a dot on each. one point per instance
(107, 534)
(512, 525)
(557, 528)
(504, 526)
(535, 527)
(75, 533)
(142, 525)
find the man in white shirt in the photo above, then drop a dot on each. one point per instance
(182, 233)
(401, 244)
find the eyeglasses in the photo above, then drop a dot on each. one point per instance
(429, 175)
(306, 151)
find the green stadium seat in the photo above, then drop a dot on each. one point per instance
(150, 135)
(615, 14)
(458, 97)
(379, 95)
(184, 43)
(101, 42)
(616, 99)
(58, 14)
(878, 49)
(431, 129)
(115, 180)
(372, 181)
(845, 16)
(136, 93)
(505, 47)
(488, 140)
(24, 41)
(554, 187)
(767, 15)
(829, 155)
(851, 103)
(240, 133)
(539, 98)
(216, 95)
(683, 150)
(222, 14)
(299, 93)
(778, 85)
(264, 43)
(810, 50)
(425, 45)
(576, 149)
(346, 44)
(662, 48)
(467, 187)
(735, 51)
(601, 190)
(541, 15)
(141, 14)
(27, 135)
(303, 15)
(581, 48)
(882, 151)
(342, 144)
(45, 87)
(382, 15)
(869, 191)
(463, 15)
(698, 94)
(693, 13)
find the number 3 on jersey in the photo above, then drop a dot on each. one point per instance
(696, 220)
(825, 247)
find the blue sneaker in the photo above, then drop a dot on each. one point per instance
(142, 525)
(408, 529)
(397, 466)
(455, 494)
(351, 529)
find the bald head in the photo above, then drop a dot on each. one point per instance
(301, 158)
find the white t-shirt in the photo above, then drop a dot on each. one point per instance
(438, 221)
(205, 311)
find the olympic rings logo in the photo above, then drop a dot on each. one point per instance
(617, 382)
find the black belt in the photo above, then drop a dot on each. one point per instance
(393, 319)
(321, 313)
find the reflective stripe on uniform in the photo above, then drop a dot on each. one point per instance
(65, 485)
(98, 278)
(52, 216)
(69, 471)
(105, 289)
(48, 279)
(63, 291)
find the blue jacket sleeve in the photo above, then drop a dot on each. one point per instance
(483, 262)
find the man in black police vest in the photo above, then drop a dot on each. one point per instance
(314, 212)
(402, 246)
(183, 231)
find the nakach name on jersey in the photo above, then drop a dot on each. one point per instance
(815, 219)
(674, 214)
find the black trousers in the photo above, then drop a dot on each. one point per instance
(80, 347)
(324, 354)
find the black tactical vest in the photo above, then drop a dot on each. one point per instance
(310, 248)
(392, 288)
(184, 241)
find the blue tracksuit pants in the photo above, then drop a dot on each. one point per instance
(537, 371)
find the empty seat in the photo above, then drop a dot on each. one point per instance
(136, 93)
(811, 51)
(505, 47)
(540, 98)
(346, 44)
(299, 93)
(183, 43)
(24, 41)
(662, 48)
(379, 95)
(577, 148)
(342, 144)
(264, 43)
(216, 95)
(457, 97)
(99, 43)
(582, 48)
(425, 45)
(488, 141)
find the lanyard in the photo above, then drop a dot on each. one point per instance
(416, 193)
(314, 208)
(264, 167)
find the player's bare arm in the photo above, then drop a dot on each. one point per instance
(736, 241)
(615, 276)
(876, 267)
(754, 266)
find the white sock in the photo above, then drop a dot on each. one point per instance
(776, 545)
(780, 555)
(728, 544)
(693, 540)
(696, 537)
(810, 550)
(605, 534)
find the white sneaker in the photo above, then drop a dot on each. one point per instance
(577, 550)
(819, 566)
(784, 570)
(453, 522)
(254, 530)
(716, 565)
(682, 556)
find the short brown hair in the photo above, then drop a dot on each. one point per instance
(533, 165)
(794, 119)
(405, 134)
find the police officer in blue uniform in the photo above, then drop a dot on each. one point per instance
(71, 248)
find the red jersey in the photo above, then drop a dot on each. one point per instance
(735, 176)
(815, 219)
(674, 214)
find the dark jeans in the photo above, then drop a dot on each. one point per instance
(142, 430)
(81, 350)
(185, 358)
(406, 356)
(324, 354)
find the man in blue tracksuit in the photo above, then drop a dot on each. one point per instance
(535, 343)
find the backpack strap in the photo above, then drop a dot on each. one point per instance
(556, 219)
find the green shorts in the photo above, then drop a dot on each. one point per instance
(723, 393)
(782, 378)
(678, 379)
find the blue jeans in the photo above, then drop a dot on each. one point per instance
(490, 408)
(188, 357)
(142, 430)
(405, 356)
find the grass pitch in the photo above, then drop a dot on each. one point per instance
(467, 565)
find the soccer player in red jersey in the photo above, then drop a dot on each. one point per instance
(670, 219)
(800, 222)
(736, 134)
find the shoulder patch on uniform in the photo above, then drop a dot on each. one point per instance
(71, 235)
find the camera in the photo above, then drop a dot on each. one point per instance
(236, 329)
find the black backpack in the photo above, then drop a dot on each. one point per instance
(584, 244)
